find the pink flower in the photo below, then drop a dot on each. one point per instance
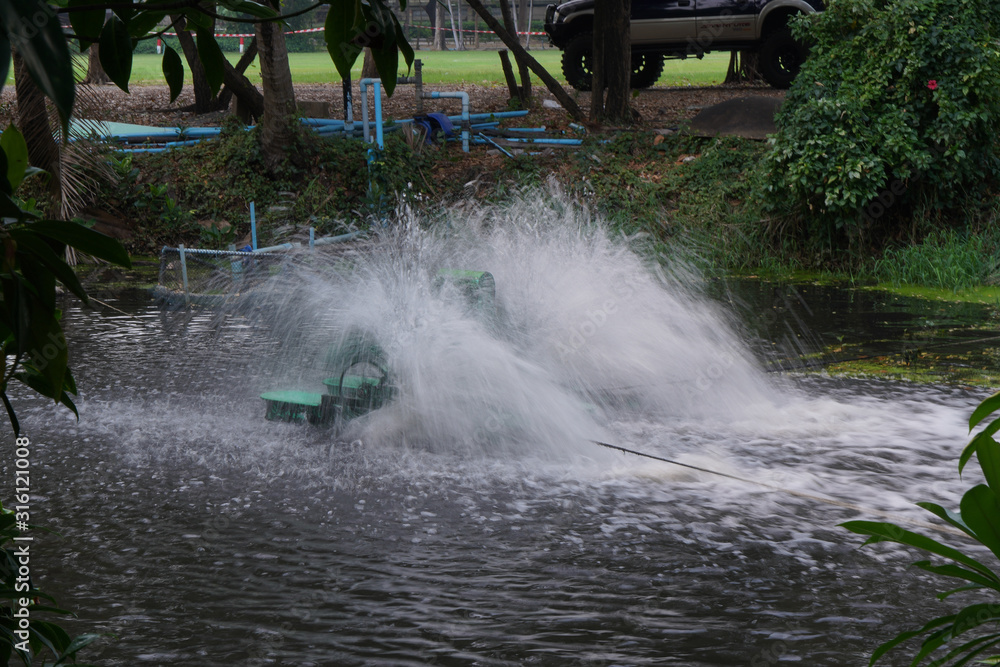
(932, 84)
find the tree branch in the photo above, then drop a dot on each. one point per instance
(515, 46)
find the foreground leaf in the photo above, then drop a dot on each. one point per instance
(43, 49)
(173, 71)
(16, 151)
(116, 52)
(981, 512)
(84, 240)
(87, 25)
(343, 26)
(887, 532)
(984, 409)
(211, 57)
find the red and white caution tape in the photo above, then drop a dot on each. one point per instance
(298, 32)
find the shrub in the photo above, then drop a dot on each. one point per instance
(895, 108)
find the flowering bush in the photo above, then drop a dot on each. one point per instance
(897, 105)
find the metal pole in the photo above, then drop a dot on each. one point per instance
(253, 227)
(348, 106)
(184, 273)
(419, 84)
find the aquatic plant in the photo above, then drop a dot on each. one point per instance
(979, 518)
(944, 259)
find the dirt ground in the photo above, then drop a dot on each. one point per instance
(658, 107)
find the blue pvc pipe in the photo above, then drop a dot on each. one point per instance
(545, 140)
(327, 240)
(464, 97)
(378, 115)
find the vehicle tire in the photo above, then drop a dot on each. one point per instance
(646, 69)
(781, 57)
(577, 61)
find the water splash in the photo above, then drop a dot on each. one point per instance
(587, 332)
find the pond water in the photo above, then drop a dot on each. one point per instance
(199, 533)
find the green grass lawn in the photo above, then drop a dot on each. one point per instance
(444, 67)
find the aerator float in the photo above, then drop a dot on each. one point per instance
(361, 379)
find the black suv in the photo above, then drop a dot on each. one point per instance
(681, 28)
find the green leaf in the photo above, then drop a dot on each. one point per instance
(4, 58)
(986, 435)
(982, 643)
(384, 51)
(79, 642)
(981, 512)
(16, 425)
(8, 209)
(904, 636)
(254, 9)
(49, 351)
(173, 71)
(40, 279)
(887, 532)
(68, 402)
(86, 25)
(29, 242)
(16, 151)
(51, 635)
(43, 48)
(988, 454)
(947, 515)
(343, 23)
(142, 23)
(197, 19)
(404, 46)
(211, 58)
(83, 239)
(116, 52)
(958, 572)
(986, 408)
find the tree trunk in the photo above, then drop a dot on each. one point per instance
(368, 69)
(612, 62)
(277, 131)
(564, 99)
(204, 101)
(522, 65)
(440, 39)
(743, 67)
(95, 73)
(33, 119)
(249, 99)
